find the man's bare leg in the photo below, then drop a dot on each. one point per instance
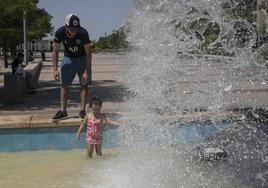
(83, 97)
(63, 97)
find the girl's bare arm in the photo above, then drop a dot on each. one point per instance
(83, 124)
(111, 122)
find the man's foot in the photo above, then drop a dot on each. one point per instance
(82, 114)
(60, 115)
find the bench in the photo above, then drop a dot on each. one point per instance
(33, 71)
(16, 86)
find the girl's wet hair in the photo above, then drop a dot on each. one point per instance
(96, 101)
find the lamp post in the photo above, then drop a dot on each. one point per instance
(25, 36)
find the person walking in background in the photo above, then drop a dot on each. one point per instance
(17, 62)
(94, 122)
(76, 60)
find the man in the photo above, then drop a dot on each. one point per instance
(76, 60)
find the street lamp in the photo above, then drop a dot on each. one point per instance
(25, 36)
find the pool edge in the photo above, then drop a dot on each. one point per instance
(36, 121)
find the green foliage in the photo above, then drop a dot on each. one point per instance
(212, 29)
(209, 39)
(112, 42)
(39, 24)
(265, 5)
(264, 52)
(199, 24)
(11, 22)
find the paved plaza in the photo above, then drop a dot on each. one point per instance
(200, 85)
(38, 108)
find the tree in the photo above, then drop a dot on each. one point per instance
(11, 25)
(114, 41)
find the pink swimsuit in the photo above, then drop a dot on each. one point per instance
(94, 131)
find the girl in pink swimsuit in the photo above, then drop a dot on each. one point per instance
(94, 121)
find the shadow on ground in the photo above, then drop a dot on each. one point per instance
(48, 95)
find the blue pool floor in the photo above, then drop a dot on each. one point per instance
(63, 138)
(60, 138)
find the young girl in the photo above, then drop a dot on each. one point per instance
(94, 121)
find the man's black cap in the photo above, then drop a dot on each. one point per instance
(72, 21)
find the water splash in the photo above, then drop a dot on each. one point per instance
(172, 74)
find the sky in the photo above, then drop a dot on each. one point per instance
(97, 16)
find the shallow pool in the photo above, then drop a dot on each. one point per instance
(58, 160)
(63, 138)
(50, 168)
(57, 138)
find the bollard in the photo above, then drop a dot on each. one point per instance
(43, 55)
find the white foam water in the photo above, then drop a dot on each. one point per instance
(169, 75)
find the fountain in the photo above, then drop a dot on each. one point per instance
(175, 73)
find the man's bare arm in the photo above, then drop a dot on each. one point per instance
(88, 57)
(55, 55)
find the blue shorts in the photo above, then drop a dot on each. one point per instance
(70, 66)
